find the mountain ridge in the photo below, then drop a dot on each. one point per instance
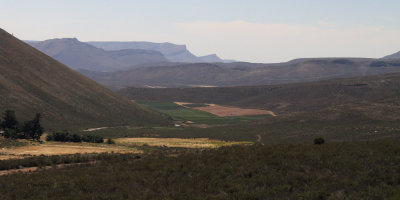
(80, 55)
(173, 52)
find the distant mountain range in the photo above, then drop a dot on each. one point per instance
(32, 82)
(116, 56)
(145, 64)
(79, 55)
(240, 74)
(173, 52)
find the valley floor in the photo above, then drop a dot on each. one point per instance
(350, 170)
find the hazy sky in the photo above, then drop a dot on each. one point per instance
(247, 30)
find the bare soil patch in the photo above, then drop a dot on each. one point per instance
(226, 111)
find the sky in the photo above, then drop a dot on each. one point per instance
(264, 31)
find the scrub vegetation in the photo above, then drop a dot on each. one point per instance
(353, 170)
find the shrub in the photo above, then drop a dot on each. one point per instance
(65, 136)
(49, 137)
(110, 141)
(319, 141)
(60, 136)
(75, 138)
(92, 139)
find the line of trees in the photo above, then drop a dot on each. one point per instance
(11, 128)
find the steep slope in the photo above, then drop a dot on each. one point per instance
(79, 55)
(31, 82)
(239, 74)
(173, 52)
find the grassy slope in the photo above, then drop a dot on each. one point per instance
(30, 82)
(357, 170)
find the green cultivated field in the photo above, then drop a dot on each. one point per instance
(341, 123)
(181, 114)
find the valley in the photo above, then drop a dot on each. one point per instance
(112, 115)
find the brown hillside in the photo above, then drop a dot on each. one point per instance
(31, 82)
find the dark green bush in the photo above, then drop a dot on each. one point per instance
(65, 136)
(92, 139)
(110, 141)
(319, 141)
(75, 138)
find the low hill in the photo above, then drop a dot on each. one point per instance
(281, 98)
(173, 52)
(239, 74)
(31, 82)
(80, 55)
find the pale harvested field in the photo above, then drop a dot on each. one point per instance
(226, 111)
(55, 148)
(177, 142)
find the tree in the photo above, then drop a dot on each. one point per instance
(33, 129)
(9, 125)
(37, 129)
(9, 120)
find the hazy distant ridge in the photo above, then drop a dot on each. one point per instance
(173, 52)
(80, 55)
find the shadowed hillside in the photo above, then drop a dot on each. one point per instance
(31, 82)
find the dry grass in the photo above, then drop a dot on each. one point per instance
(56, 148)
(123, 145)
(177, 142)
(225, 111)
